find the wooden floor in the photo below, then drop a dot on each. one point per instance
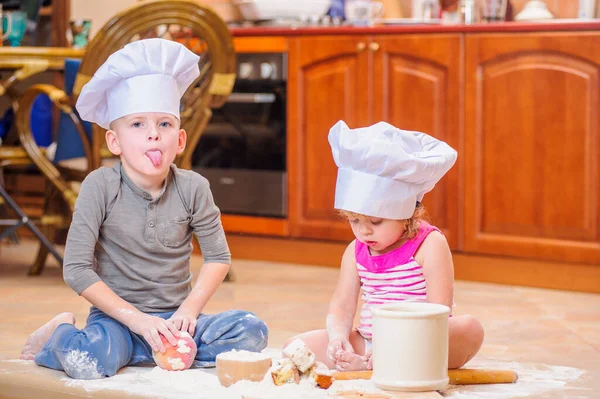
(552, 338)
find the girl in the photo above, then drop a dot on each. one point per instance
(383, 173)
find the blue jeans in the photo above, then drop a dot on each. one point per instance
(105, 345)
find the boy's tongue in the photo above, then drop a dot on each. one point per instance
(155, 157)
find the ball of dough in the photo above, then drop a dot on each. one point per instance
(176, 357)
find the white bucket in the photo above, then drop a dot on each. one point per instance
(410, 346)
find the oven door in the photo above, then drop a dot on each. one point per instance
(242, 150)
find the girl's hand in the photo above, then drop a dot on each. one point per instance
(369, 357)
(184, 322)
(338, 346)
(151, 327)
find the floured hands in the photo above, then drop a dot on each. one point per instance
(352, 362)
(151, 327)
(369, 357)
(184, 322)
(341, 352)
(337, 346)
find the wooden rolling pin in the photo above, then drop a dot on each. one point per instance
(457, 377)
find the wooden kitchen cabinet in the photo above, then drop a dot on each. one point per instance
(417, 86)
(329, 79)
(532, 115)
(410, 81)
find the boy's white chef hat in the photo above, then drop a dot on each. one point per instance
(148, 75)
(383, 171)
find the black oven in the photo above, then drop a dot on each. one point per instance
(242, 150)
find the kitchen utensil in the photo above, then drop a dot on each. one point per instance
(410, 346)
(457, 377)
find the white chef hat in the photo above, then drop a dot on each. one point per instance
(383, 171)
(148, 75)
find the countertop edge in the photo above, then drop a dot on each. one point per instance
(507, 27)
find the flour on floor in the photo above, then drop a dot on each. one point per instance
(534, 380)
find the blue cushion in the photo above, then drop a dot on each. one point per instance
(41, 120)
(68, 142)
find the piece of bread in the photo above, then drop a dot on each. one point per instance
(317, 369)
(284, 371)
(302, 357)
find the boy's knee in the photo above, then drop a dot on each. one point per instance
(94, 354)
(82, 365)
(256, 332)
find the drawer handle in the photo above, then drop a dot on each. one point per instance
(251, 98)
(374, 46)
(361, 46)
(227, 181)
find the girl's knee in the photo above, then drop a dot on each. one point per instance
(301, 337)
(473, 331)
(466, 337)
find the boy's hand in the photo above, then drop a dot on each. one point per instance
(184, 322)
(151, 327)
(337, 346)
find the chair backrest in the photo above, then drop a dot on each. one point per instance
(68, 143)
(188, 22)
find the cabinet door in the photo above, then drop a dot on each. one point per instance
(328, 81)
(417, 86)
(532, 143)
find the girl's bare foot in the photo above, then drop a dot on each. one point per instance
(36, 341)
(347, 361)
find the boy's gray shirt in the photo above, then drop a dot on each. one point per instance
(138, 245)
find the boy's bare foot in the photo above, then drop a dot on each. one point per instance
(36, 341)
(347, 361)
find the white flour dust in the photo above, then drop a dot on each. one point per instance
(80, 364)
(534, 380)
(243, 356)
(176, 363)
(182, 347)
(195, 383)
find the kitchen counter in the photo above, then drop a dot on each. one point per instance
(570, 25)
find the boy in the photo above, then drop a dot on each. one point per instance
(129, 244)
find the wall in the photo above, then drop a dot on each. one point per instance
(101, 11)
(560, 8)
(98, 11)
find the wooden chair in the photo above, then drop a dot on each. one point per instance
(14, 156)
(187, 22)
(23, 62)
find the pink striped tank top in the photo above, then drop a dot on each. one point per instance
(391, 277)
